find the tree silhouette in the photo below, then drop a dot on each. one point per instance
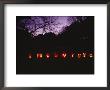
(45, 24)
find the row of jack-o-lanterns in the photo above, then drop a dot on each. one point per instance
(63, 55)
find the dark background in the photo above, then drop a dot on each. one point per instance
(78, 37)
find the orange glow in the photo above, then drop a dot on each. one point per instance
(47, 55)
(72, 55)
(55, 55)
(64, 55)
(30, 56)
(84, 55)
(39, 55)
(90, 55)
(79, 55)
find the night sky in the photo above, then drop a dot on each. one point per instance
(54, 34)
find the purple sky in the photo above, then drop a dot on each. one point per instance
(45, 24)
